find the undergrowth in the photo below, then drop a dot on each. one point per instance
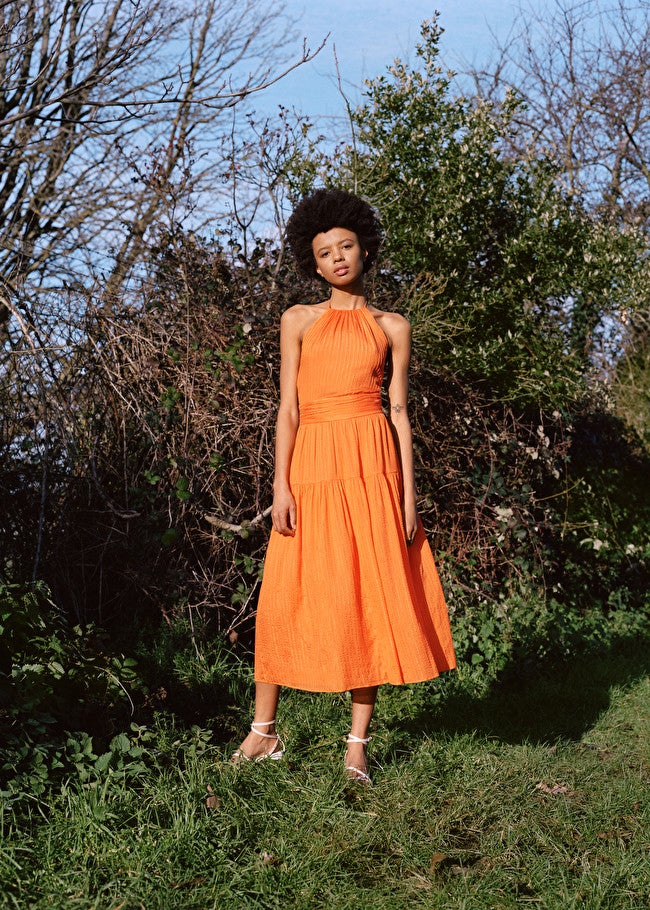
(73, 706)
(533, 790)
(520, 778)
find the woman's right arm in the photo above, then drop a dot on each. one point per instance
(283, 512)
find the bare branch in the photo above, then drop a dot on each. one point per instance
(583, 71)
(237, 529)
(105, 108)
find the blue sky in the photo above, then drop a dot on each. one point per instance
(369, 35)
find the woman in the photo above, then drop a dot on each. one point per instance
(350, 597)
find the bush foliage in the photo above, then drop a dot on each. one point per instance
(136, 469)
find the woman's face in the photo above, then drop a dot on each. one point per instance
(338, 256)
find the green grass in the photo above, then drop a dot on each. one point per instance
(531, 794)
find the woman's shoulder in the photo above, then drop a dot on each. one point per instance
(394, 324)
(302, 310)
(297, 318)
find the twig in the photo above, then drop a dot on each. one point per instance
(236, 529)
(348, 108)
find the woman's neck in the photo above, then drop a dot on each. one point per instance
(341, 299)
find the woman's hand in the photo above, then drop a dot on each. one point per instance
(283, 513)
(410, 522)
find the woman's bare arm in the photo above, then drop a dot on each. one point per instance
(398, 331)
(283, 512)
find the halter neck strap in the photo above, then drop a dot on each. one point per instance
(344, 309)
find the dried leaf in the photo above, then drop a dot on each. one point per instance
(555, 789)
(212, 801)
(436, 860)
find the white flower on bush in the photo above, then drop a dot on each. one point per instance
(595, 542)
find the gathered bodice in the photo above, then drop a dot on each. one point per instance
(341, 365)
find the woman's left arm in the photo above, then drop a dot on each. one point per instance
(399, 336)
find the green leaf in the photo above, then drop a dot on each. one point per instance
(169, 537)
(102, 763)
(120, 743)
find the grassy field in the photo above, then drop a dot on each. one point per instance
(531, 793)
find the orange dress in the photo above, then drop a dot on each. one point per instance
(345, 603)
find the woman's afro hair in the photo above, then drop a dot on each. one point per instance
(323, 210)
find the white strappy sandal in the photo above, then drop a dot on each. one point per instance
(356, 774)
(275, 753)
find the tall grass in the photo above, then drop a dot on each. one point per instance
(531, 792)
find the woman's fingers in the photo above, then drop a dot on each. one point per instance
(410, 524)
(284, 518)
(411, 529)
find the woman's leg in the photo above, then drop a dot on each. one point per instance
(266, 703)
(363, 704)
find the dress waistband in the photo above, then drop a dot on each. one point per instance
(340, 407)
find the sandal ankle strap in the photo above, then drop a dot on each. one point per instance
(264, 723)
(358, 739)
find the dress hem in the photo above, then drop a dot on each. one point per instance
(384, 681)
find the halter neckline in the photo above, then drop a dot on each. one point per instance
(345, 309)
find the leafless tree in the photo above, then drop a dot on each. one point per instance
(114, 122)
(111, 111)
(582, 68)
